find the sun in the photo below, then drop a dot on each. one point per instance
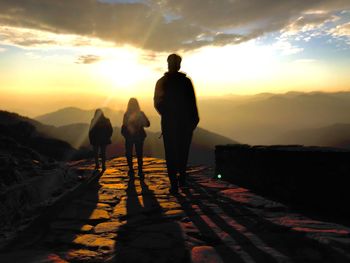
(123, 73)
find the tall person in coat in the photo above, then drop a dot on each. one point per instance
(175, 101)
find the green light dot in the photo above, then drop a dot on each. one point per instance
(219, 176)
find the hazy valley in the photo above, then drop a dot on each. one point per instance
(266, 118)
(57, 141)
(321, 119)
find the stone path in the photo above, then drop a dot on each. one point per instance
(130, 220)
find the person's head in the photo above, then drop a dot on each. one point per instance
(174, 63)
(133, 105)
(98, 114)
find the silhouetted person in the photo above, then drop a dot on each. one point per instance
(100, 133)
(175, 101)
(134, 133)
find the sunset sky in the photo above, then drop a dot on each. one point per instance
(56, 53)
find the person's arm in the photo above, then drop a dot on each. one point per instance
(109, 128)
(145, 120)
(123, 129)
(91, 131)
(125, 119)
(194, 116)
(159, 97)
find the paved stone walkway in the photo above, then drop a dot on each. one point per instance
(130, 220)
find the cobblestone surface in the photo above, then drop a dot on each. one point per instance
(122, 219)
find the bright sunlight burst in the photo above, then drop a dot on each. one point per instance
(123, 72)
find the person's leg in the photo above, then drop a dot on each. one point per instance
(95, 150)
(103, 156)
(139, 154)
(169, 138)
(128, 155)
(184, 149)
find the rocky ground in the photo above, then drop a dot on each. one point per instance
(29, 183)
(122, 219)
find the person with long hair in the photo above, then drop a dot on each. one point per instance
(134, 133)
(100, 133)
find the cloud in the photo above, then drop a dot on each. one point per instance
(159, 25)
(2, 49)
(88, 59)
(286, 47)
(308, 22)
(33, 38)
(342, 30)
(305, 61)
(24, 37)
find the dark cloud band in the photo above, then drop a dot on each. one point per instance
(161, 25)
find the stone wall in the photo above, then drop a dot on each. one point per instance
(314, 177)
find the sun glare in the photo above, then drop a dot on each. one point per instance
(124, 73)
(120, 75)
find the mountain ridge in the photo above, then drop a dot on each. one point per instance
(76, 135)
(258, 119)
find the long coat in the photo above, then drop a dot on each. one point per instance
(175, 101)
(100, 131)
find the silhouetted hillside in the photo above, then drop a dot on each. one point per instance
(75, 134)
(76, 126)
(9, 118)
(30, 134)
(202, 148)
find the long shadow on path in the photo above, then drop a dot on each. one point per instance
(206, 232)
(215, 229)
(250, 236)
(149, 235)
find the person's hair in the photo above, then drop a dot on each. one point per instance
(98, 114)
(174, 62)
(133, 106)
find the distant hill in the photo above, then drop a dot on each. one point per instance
(9, 118)
(72, 125)
(73, 115)
(254, 119)
(202, 148)
(264, 118)
(337, 135)
(202, 151)
(33, 135)
(76, 135)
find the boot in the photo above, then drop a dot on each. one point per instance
(141, 175)
(174, 189)
(131, 168)
(97, 165)
(183, 180)
(140, 164)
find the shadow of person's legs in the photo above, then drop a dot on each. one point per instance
(148, 235)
